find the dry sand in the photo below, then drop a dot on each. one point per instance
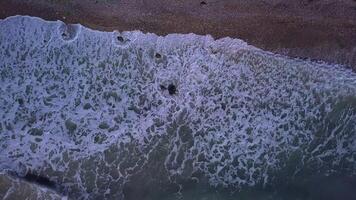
(316, 29)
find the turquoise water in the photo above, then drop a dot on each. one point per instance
(128, 115)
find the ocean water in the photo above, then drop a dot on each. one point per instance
(132, 115)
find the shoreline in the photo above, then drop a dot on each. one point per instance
(315, 30)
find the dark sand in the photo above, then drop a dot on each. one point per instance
(316, 29)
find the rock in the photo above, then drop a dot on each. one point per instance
(157, 55)
(16, 188)
(172, 89)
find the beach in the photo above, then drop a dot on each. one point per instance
(178, 100)
(308, 29)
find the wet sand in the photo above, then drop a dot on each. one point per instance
(315, 29)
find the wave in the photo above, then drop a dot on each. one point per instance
(112, 114)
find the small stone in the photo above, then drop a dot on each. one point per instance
(158, 55)
(172, 89)
(203, 3)
(20, 101)
(120, 39)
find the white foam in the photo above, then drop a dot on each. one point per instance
(246, 107)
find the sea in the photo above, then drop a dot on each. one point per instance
(128, 115)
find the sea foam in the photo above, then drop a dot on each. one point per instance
(91, 110)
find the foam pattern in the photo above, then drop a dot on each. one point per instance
(92, 111)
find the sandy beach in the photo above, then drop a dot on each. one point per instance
(318, 30)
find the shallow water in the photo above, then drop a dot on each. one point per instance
(95, 113)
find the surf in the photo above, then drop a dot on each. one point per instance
(126, 114)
